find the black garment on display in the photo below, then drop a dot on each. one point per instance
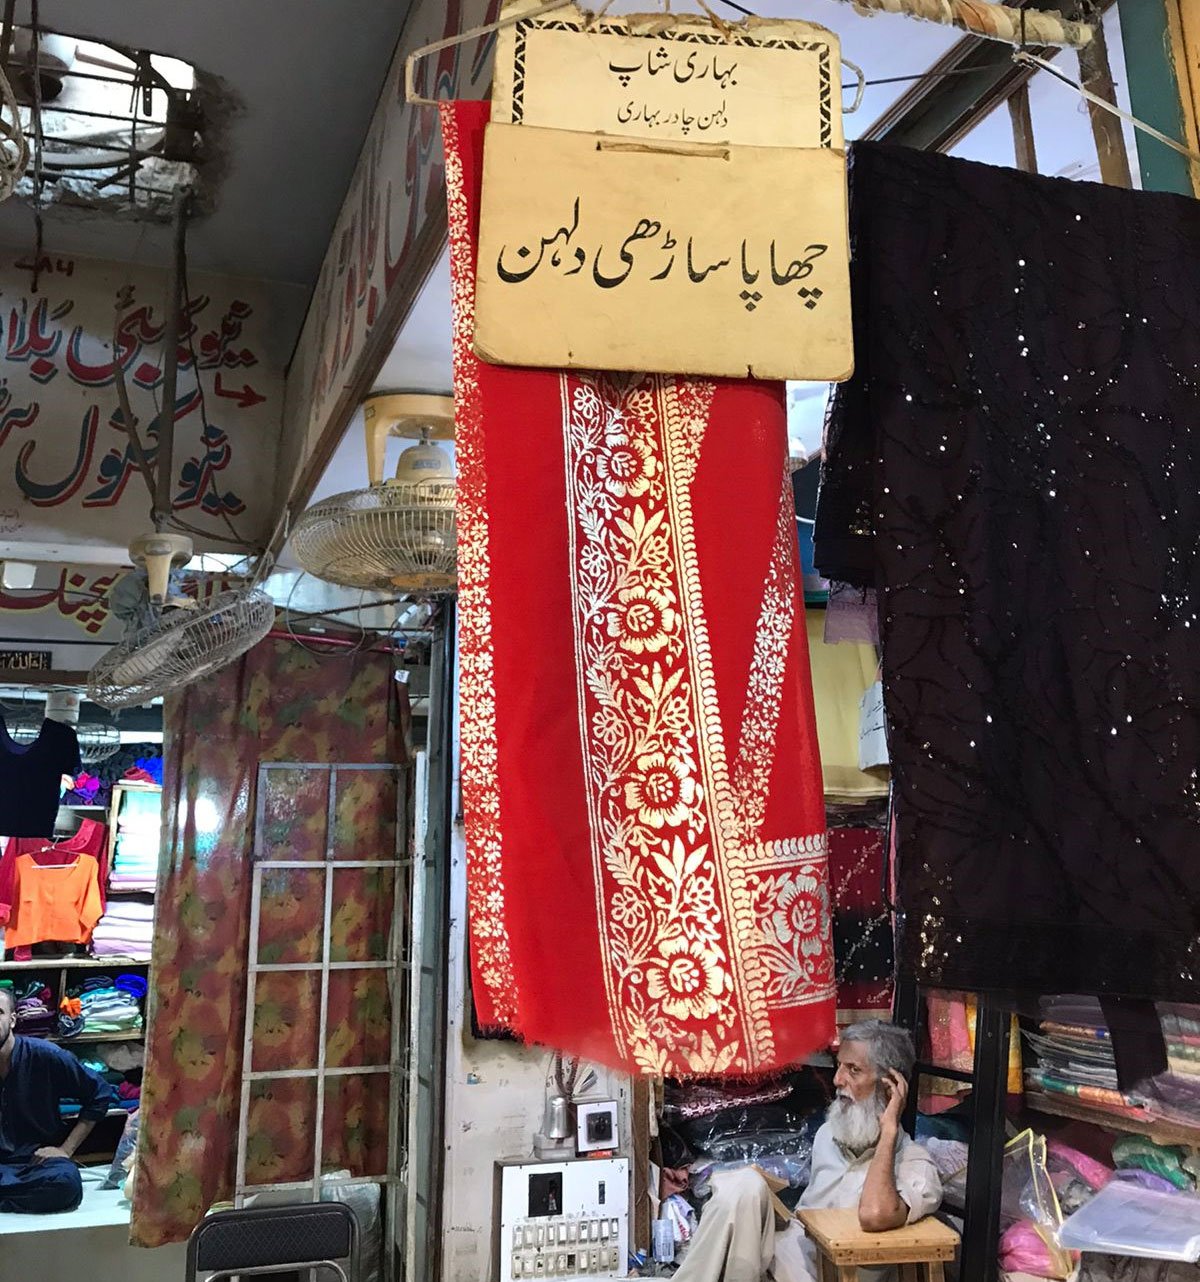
(1016, 466)
(1138, 1044)
(31, 778)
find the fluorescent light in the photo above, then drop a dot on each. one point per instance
(18, 574)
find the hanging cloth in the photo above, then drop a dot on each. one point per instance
(645, 830)
(31, 778)
(1016, 466)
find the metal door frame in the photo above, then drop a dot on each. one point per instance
(398, 961)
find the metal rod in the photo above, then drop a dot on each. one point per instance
(6, 34)
(402, 943)
(122, 118)
(166, 415)
(239, 1189)
(323, 1020)
(442, 758)
(267, 766)
(40, 140)
(340, 863)
(349, 1070)
(276, 968)
(981, 1228)
(416, 1005)
(291, 1186)
(87, 144)
(129, 422)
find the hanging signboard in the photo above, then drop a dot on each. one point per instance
(670, 79)
(668, 195)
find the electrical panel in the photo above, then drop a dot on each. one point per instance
(562, 1220)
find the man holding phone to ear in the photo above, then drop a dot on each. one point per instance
(861, 1156)
(861, 1159)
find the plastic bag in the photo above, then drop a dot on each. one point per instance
(1030, 1209)
(792, 1168)
(1027, 1191)
(364, 1201)
(1023, 1249)
(1124, 1219)
(122, 1163)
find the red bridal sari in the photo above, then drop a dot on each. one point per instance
(641, 783)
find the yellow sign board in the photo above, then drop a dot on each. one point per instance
(665, 194)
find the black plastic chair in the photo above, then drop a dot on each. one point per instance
(272, 1240)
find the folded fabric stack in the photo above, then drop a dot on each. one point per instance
(146, 770)
(1181, 1028)
(125, 930)
(139, 831)
(1075, 1058)
(70, 1017)
(35, 1011)
(108, 1006)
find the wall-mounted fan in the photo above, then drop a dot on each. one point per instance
(171, 640)
(397, 534)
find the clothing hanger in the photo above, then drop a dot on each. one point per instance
(1022, 55)
(911, 8)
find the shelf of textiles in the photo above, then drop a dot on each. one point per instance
(1071, 1072)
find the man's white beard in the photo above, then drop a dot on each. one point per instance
(855, 1126)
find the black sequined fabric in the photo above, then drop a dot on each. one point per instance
(1016, 466)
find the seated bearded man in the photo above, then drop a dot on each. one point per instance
(862, 1159)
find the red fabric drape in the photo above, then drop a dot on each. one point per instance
(645, 821)
(278, 703)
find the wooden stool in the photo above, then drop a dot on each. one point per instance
(919, 1249)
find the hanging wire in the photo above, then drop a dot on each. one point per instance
(341, 651)
(191, 343)
(235, 536)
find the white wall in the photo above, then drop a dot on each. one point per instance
(495, 1097)
(87, 1254)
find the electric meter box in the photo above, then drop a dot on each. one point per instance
(561, 1220)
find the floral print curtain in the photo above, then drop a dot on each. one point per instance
(278, 704)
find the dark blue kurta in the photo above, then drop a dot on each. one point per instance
(40, 1077)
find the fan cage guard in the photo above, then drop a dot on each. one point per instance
(182, 647)
(394, 536)
(98, 740)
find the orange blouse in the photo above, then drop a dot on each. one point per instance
(57, 902)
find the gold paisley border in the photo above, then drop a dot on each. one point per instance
(764, 693)
(477, 717)
(749, 977)
(757, 926)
